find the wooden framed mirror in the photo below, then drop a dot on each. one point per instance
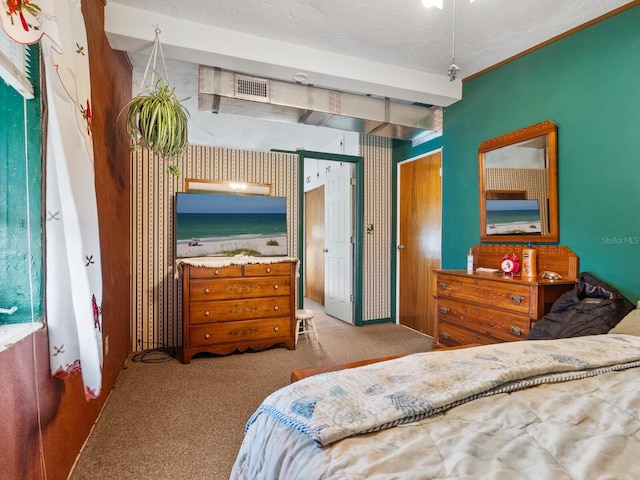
(518, 185)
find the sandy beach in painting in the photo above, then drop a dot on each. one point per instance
(266, 245)
(514, 228)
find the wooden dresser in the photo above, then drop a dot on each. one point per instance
(479, 308)
(237, 307)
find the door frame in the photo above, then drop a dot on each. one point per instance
(395, 283)
(358, 216)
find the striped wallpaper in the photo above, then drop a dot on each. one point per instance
(156, 292)
(376, 152)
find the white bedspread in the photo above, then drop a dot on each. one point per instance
(560, 429)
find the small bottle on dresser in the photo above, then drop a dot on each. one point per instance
(470, 261)
(529, 262)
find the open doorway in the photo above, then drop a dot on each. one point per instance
(329, 241)
(330, 247)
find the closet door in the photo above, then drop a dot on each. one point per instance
(419, 240)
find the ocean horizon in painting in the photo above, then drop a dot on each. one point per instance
(220, 226)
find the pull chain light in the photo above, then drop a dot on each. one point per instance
(453, 68)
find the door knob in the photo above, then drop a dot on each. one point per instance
(401, 247)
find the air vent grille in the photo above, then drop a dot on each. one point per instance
(252, 88)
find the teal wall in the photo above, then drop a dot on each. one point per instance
(589, 85)
(15, 289)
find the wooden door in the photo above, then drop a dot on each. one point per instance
(419, 240)
(314, 244)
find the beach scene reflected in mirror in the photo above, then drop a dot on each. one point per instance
(513, 217)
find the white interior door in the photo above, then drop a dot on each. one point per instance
(338, 224)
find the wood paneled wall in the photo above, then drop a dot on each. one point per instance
(156, 292)
(45, 421)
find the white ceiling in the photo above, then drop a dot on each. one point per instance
(389, 48)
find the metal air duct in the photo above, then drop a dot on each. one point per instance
(221, 91)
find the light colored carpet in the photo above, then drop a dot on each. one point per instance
(173, 421)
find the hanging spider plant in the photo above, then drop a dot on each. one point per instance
(158, 120)
(155, 118)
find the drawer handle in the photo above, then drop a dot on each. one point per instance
(276, 329)
(276, 308)
(516, 299)
(206, 290)
(206, 335)
(443, 285)
(444, 335)
(517, 331)
(216, 272)
(444, 310)
(206, 313)
(268, 270)
(275, 287)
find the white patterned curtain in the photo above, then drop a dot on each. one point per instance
(73, 268)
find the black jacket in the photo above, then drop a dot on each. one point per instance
(592, 307)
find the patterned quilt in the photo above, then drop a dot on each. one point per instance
(417, 394)
(340, 404)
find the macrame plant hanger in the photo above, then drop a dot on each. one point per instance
(153, 57)
(155, 117)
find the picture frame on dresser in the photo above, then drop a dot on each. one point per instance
(220, 224)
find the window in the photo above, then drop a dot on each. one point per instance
(21, 260)
(14, 65)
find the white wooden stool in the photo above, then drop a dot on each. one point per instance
(304, 323)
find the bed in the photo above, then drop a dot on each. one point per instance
(552, 409)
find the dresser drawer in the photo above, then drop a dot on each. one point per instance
(232, 332)
(452, 336)
(267, 269)
(222, 272)
(232, 310)
(241, 288)
(509, 296)
(486, 320)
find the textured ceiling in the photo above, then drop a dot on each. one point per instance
(393, 48)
